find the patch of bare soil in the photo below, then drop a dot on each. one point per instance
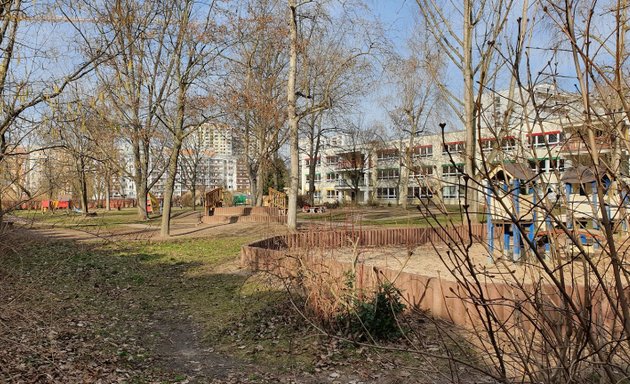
(145, 232)
(439, 260)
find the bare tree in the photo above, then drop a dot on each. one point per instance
(133, 84)
(329, 69)
(334, 81)
(29, 77)
(255, 88)
(193, 154)
(416, 98)
(469, 44)
(195, 42)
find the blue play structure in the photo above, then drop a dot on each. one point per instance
(513, 193)
(510, 202)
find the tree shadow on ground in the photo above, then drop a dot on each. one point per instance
(124, 312)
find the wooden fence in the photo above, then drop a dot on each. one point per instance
(386, 236)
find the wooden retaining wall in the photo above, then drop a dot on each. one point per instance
(289, 255)
(245, 215)
(247, 211)
(244, 219)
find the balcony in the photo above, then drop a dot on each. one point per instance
(347, 184)
(345, 165)
(578, 146)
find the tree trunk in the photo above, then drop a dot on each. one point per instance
(293, 118)
(83, 181)
(140, 180)
(260, 181)
(311, 181)
(165, 228)
(108, 192)
(141, 194)
(194, 195)
(469, 110)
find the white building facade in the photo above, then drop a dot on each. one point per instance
(373, 172)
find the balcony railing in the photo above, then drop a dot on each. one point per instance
(349, 165)
(343, 183)
(579, 145)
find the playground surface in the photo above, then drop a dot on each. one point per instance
(439, 261)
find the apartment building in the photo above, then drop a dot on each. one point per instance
(549, 143)
(211, 150)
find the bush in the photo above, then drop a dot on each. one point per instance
(375, 317)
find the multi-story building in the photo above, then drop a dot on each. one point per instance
(218, 164)
(210, 150)
(548, 141)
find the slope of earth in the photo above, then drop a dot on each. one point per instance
(177, 311)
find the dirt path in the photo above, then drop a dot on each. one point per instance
(148, 232)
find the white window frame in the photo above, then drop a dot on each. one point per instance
(449, 170)
(452, 194)
(387, 193)
(387, 174)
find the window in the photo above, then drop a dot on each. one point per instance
(553, 138)
(537, 141)
(453, 148)
(423, 151)
(318, 161)
(556, 165)
(542, 139)
(546, 165)
(509, 143)
(423, 192)
(535, 165)
(387, 154)
(318, 178)
(425, 170)
(449, 192)
(331, 176)
(331, 160)
(331, 194)
(386, 174)
(386, 193)
(317, 195)
(451, 170)
(487, 144)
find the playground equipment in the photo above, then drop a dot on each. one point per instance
(515, 201)
(52, 205)
(218, 211)
(511, 203)
(580, 186)
(214, 199)
(278, 199)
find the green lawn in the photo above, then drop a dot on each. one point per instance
(103, 218)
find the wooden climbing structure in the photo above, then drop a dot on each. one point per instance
(277, 199)
(214, 199)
